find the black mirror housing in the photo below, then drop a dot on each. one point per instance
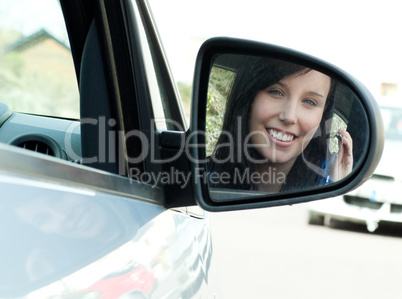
(215, 52)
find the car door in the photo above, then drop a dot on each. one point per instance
(91, 220)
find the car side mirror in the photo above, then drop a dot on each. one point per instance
(272, 126)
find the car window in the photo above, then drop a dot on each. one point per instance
(37, 74)
(152, 80)
(160, 105)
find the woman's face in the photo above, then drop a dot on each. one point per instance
(285, 116)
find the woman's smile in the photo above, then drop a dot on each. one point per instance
(281, 135)
(281, 138)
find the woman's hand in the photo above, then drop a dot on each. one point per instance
(344, 162)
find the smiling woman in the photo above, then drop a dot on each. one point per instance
(277, 127)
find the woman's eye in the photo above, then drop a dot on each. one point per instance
(310, 102)
(275, 92)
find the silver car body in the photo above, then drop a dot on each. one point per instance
(69, 241)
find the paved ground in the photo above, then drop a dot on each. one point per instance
(274, 253)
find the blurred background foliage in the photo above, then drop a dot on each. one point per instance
(220, 85)
(29, 85)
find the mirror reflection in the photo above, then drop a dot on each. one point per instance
(275, 126)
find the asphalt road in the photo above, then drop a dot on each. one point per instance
(274, 253)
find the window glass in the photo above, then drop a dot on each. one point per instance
(160, 105)
(37, 73)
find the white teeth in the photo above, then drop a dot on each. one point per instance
(280, 135)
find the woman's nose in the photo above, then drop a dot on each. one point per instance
(288, 115)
